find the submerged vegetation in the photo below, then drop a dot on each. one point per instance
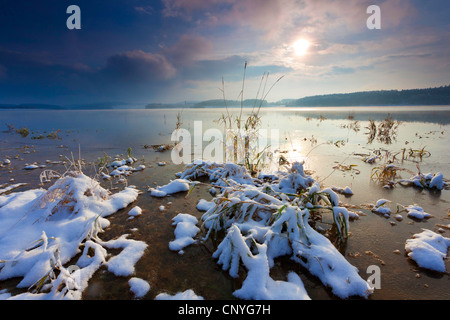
(385, 132)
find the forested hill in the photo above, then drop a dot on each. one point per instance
(430, 96)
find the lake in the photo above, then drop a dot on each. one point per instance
(333, 142)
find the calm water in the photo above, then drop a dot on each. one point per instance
(307, 134)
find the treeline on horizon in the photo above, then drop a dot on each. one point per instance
(429, 96)
(40, 106)
(211, 103)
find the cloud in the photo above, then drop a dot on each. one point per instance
(188, 49)
(138, 66)
(147, 10)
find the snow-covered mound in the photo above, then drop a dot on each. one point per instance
(428, 249)
(177, 185)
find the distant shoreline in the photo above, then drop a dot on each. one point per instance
(439, 96)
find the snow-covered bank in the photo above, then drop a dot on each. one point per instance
(42, 230)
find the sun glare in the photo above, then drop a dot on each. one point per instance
(301, 47)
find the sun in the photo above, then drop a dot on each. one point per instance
(301, 47)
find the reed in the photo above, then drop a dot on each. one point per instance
(242, 132)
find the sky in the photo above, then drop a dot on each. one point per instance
(168, 51)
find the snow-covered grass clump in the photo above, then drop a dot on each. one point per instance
(42, 230)
(381, 207)
(414, 211)
(428, 249)
(427, 181)
(265, 220)
(119, 163)
(222, 174)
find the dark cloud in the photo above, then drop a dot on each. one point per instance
(138, 66)
(129, 75)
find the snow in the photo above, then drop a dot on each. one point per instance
(428, 180)
(382, 202)
(437, 181)
(42, 230)
(185, 231)
(139, 287)
(123, 264)
(120, 163)
(428, 249)
(4, 294)
(139, 168)
(136, 211)
(11, 187)
(122, 170)
(345, 191)
(205, 205)
(295, 181)
(414, 211)
(31, 167)
(222, 174)
(186, 295)
(381, 207)
(177, 185)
